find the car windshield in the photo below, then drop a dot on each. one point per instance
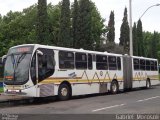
(16, 69)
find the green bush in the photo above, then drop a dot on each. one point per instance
(1, 89)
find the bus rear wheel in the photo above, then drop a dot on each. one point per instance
(64, 92)
(148, 84)
(114, 87)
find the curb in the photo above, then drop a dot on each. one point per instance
(14, 102)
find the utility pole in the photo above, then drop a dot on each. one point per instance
(130, 28)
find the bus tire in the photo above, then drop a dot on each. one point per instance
(114, 87)
(64, 92)
(148, 84)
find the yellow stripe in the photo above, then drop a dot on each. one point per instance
(88, 81)
(77, 81)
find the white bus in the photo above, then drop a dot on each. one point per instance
(40, 71)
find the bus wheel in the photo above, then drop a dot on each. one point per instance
(114, 87)
(64, 92)
(148, 84)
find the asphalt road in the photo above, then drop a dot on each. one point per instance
(142, 101)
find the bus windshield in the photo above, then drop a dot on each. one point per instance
(16, 69)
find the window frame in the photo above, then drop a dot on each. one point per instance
(101, 62)
(71, 60)
(90, 61)
(136, 66)
(81, 61)
(112, 65)
(119, 64)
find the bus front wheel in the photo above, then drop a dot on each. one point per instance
(114, 87)
(64, 92)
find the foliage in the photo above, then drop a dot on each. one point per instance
(65, 25)
(1, 89)
(54, 13)
(18, 28)
(97, 29)
(111, 28)
(79, 27)
(42, 23)
(85, 41)
(75, 24)
(135, 42)
(25, 27)
(124, 33)
(90, 26)
(112, 47)
(147, 37)
(140, 39)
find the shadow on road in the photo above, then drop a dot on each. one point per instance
(47, 100)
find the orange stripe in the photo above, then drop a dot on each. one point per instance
(64, 78)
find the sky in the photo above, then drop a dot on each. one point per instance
(150, 20)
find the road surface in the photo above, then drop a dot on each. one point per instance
(142, 101)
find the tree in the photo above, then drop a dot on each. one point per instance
(112, 47)
(0, 18)
(65, 25)
(140, 39)
(97, 27)
(124, 35)
(135, 42)
(54, 13)
(154, 45)
(85, 40)
(9, 30)
(75, 24)
(42, 23)
(90, 26)
(111, 28)
(147, 37)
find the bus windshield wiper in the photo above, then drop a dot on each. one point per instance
(20, 58)
(13, 60)
(16, 62)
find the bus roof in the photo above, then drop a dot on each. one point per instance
(138, 57)
(68, 49)
(80, 50)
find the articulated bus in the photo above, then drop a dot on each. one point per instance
(40, 71)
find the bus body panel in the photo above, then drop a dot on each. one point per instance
(141, 75)
(87, 81)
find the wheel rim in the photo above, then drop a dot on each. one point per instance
(114, 87)
(148, 85)
(64, 91)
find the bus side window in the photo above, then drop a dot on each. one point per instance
(136, 64)
(142, 64)
(66, 60)
(81, 61)
(119, 63)
(155, 66)
(112, 63)
(101, 62)
(90, 66)
(148, 65)
(152, 65)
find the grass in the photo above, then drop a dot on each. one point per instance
(1, 89)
